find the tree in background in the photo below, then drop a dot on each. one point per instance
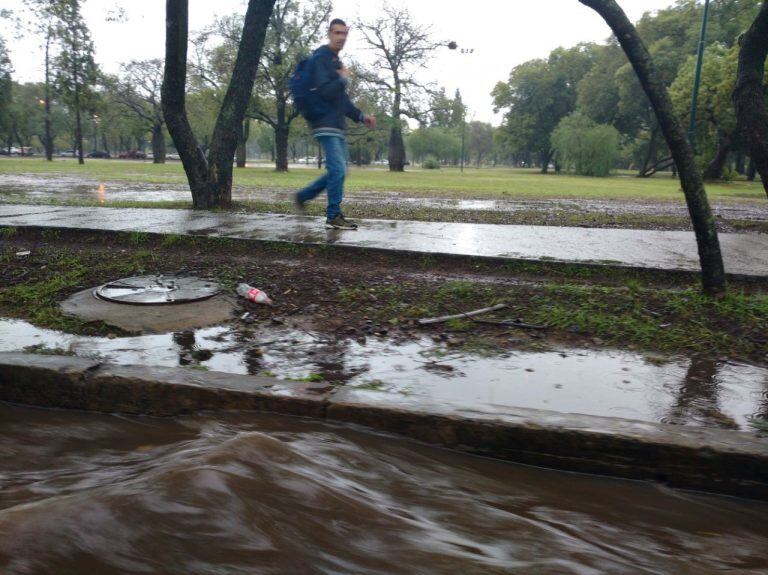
(6, 84)
(75, 69)
(293, 33)
(46, 22)
(480, 142)
(716, 132)
(538, 94)
(400, 48)
(210, 179)
(712, 269)
(749, 94)
(582, 146)
(137, 90)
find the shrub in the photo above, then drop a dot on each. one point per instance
(584, 147)
(431, 163)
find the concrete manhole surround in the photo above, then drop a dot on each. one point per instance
(157, 290)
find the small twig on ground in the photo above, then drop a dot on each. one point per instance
(432, 320)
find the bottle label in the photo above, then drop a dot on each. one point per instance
(253, 293)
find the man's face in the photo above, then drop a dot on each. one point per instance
(337, 37)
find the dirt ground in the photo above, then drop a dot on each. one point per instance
(357, 294)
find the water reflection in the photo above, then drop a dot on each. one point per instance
(608, 383)
(698, 397)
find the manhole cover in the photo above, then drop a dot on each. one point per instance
(154, 290)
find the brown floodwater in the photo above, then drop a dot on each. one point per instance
(246, 493)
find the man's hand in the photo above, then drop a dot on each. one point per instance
(370, 122)
(344, 72)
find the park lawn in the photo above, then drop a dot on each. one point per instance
(489, 183)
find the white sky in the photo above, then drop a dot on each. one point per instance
(503, 33)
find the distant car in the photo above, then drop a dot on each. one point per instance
(99, 154)
(132, 155)
(4, 152)
(172, 157)
(68, 154)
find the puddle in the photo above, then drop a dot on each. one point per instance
(25, 187)
(683, 391)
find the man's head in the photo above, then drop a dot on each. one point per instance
(337, 34)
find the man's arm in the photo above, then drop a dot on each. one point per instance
(351, 111)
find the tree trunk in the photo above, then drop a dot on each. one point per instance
(740, 164)
(158, 143)
(714, 170)
(749, 95)
(647, 167)
(78, 128)
(396, 149)
(281, 140)
(710, 257)
(242, 141)
(210, 180)
(751, 171)
(48, 143)
(545, 158)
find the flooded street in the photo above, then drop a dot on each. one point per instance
(685, 391)
(82, 493)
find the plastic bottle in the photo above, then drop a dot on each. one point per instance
(253, 294)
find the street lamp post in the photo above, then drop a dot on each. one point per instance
(697, 78)
(452, 46)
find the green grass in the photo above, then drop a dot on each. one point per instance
(449, 182)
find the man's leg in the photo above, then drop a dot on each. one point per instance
(312, 190)
(336, 163)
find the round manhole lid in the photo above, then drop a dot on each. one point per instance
(158, 289)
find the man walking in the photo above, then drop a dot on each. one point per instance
(330, 81)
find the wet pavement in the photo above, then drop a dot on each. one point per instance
(21, 188)
(84, 493)
(744, 254)
(685, 391)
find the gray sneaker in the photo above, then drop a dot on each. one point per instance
(340, 223)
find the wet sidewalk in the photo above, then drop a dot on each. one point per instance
(744, 254)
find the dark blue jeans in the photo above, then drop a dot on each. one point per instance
(335, 150)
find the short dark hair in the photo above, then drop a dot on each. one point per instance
(336, 21)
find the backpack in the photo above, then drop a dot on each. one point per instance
(305, 97)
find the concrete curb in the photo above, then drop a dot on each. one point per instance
(552, 263)
(719, 461)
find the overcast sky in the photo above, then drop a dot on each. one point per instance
(503, 33)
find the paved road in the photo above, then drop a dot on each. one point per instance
(745, 254)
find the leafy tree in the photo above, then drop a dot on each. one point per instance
(439, 142)
(291, 36)
(587, 148)
(749, 95)
(712, 269)
(538, 94)
(716, 121)
(75, 69)
(6, 84)
(137, 90)
(479, 140)
(210, 179)
(445, 112)
(400, 48)
(27, 114)
(47, 21)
